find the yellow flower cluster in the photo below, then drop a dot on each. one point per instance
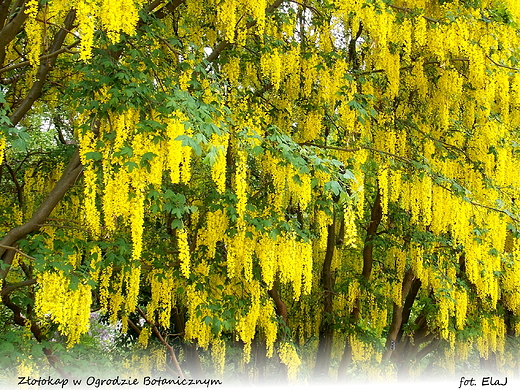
(158, 358)
(288, 182)
(241, 182)
(218, 169)
(104, 284)
(115, 198)
(119, 16)
(493, 336)
(311, 127)
(115, 17)
(27, 368)
(96, 257)
(91, 210)
(86, 12)
(136, 224)
(232, 70)
(257, 10)
(309, 73)
(461, 298)
(34, 32)
(231, 12)
(291, 258)
(246, 327)
(162, 290)
(218, 355)
(322, 220)
(115, 297)
(361, 351)
(351, 233)
(69, 309)
(3, 145)
(446, 307)
(511, 283)
(184, 252)
(144, 336)
(216, 226)
(227, 18)
(271, 68)
(178, 160)
(290, 358)
(132, 281)
(267, 320)
(239, 253)
(353, 294)
(196, 328)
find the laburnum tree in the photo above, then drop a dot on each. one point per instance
(328, 187)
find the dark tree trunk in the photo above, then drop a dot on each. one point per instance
(321, 369)
(190, 349)
(368, 258)
(397, 317)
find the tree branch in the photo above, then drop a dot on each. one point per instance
(41, 76)
(9, 31)
(281, 308)
(10, 288)
(352, 150)
(397, 316)
(19, 191)
(42, 58)
(17, 251)
(70, 174)
(163, 342)
(501, 65)
(408, 10)
(222, 45)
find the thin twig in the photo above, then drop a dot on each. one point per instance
(63, 227)
(410, 67)
(351, 150)
(8, 289)
(313, 9)
(133, 326)
(478, 204)
(58, 26)
(17, 251)
(409, 162)
(161, 339)
(405, 9)
(501, 65)
(42, 57)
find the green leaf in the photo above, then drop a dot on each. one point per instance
(96, 156)
(148, 156)
(130, 165)
(333, 186)
(125, 151)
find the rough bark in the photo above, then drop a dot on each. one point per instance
(408, 349)
(321, 369)
(68, 178)
(43, 71)
(281, 308)
(190, 349)
(397, 317)
(11, 29)
(407, 308)
(33, 326)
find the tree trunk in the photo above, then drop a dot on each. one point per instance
(397, 317)
(368, 250)
(190, 349)
(321, 369)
